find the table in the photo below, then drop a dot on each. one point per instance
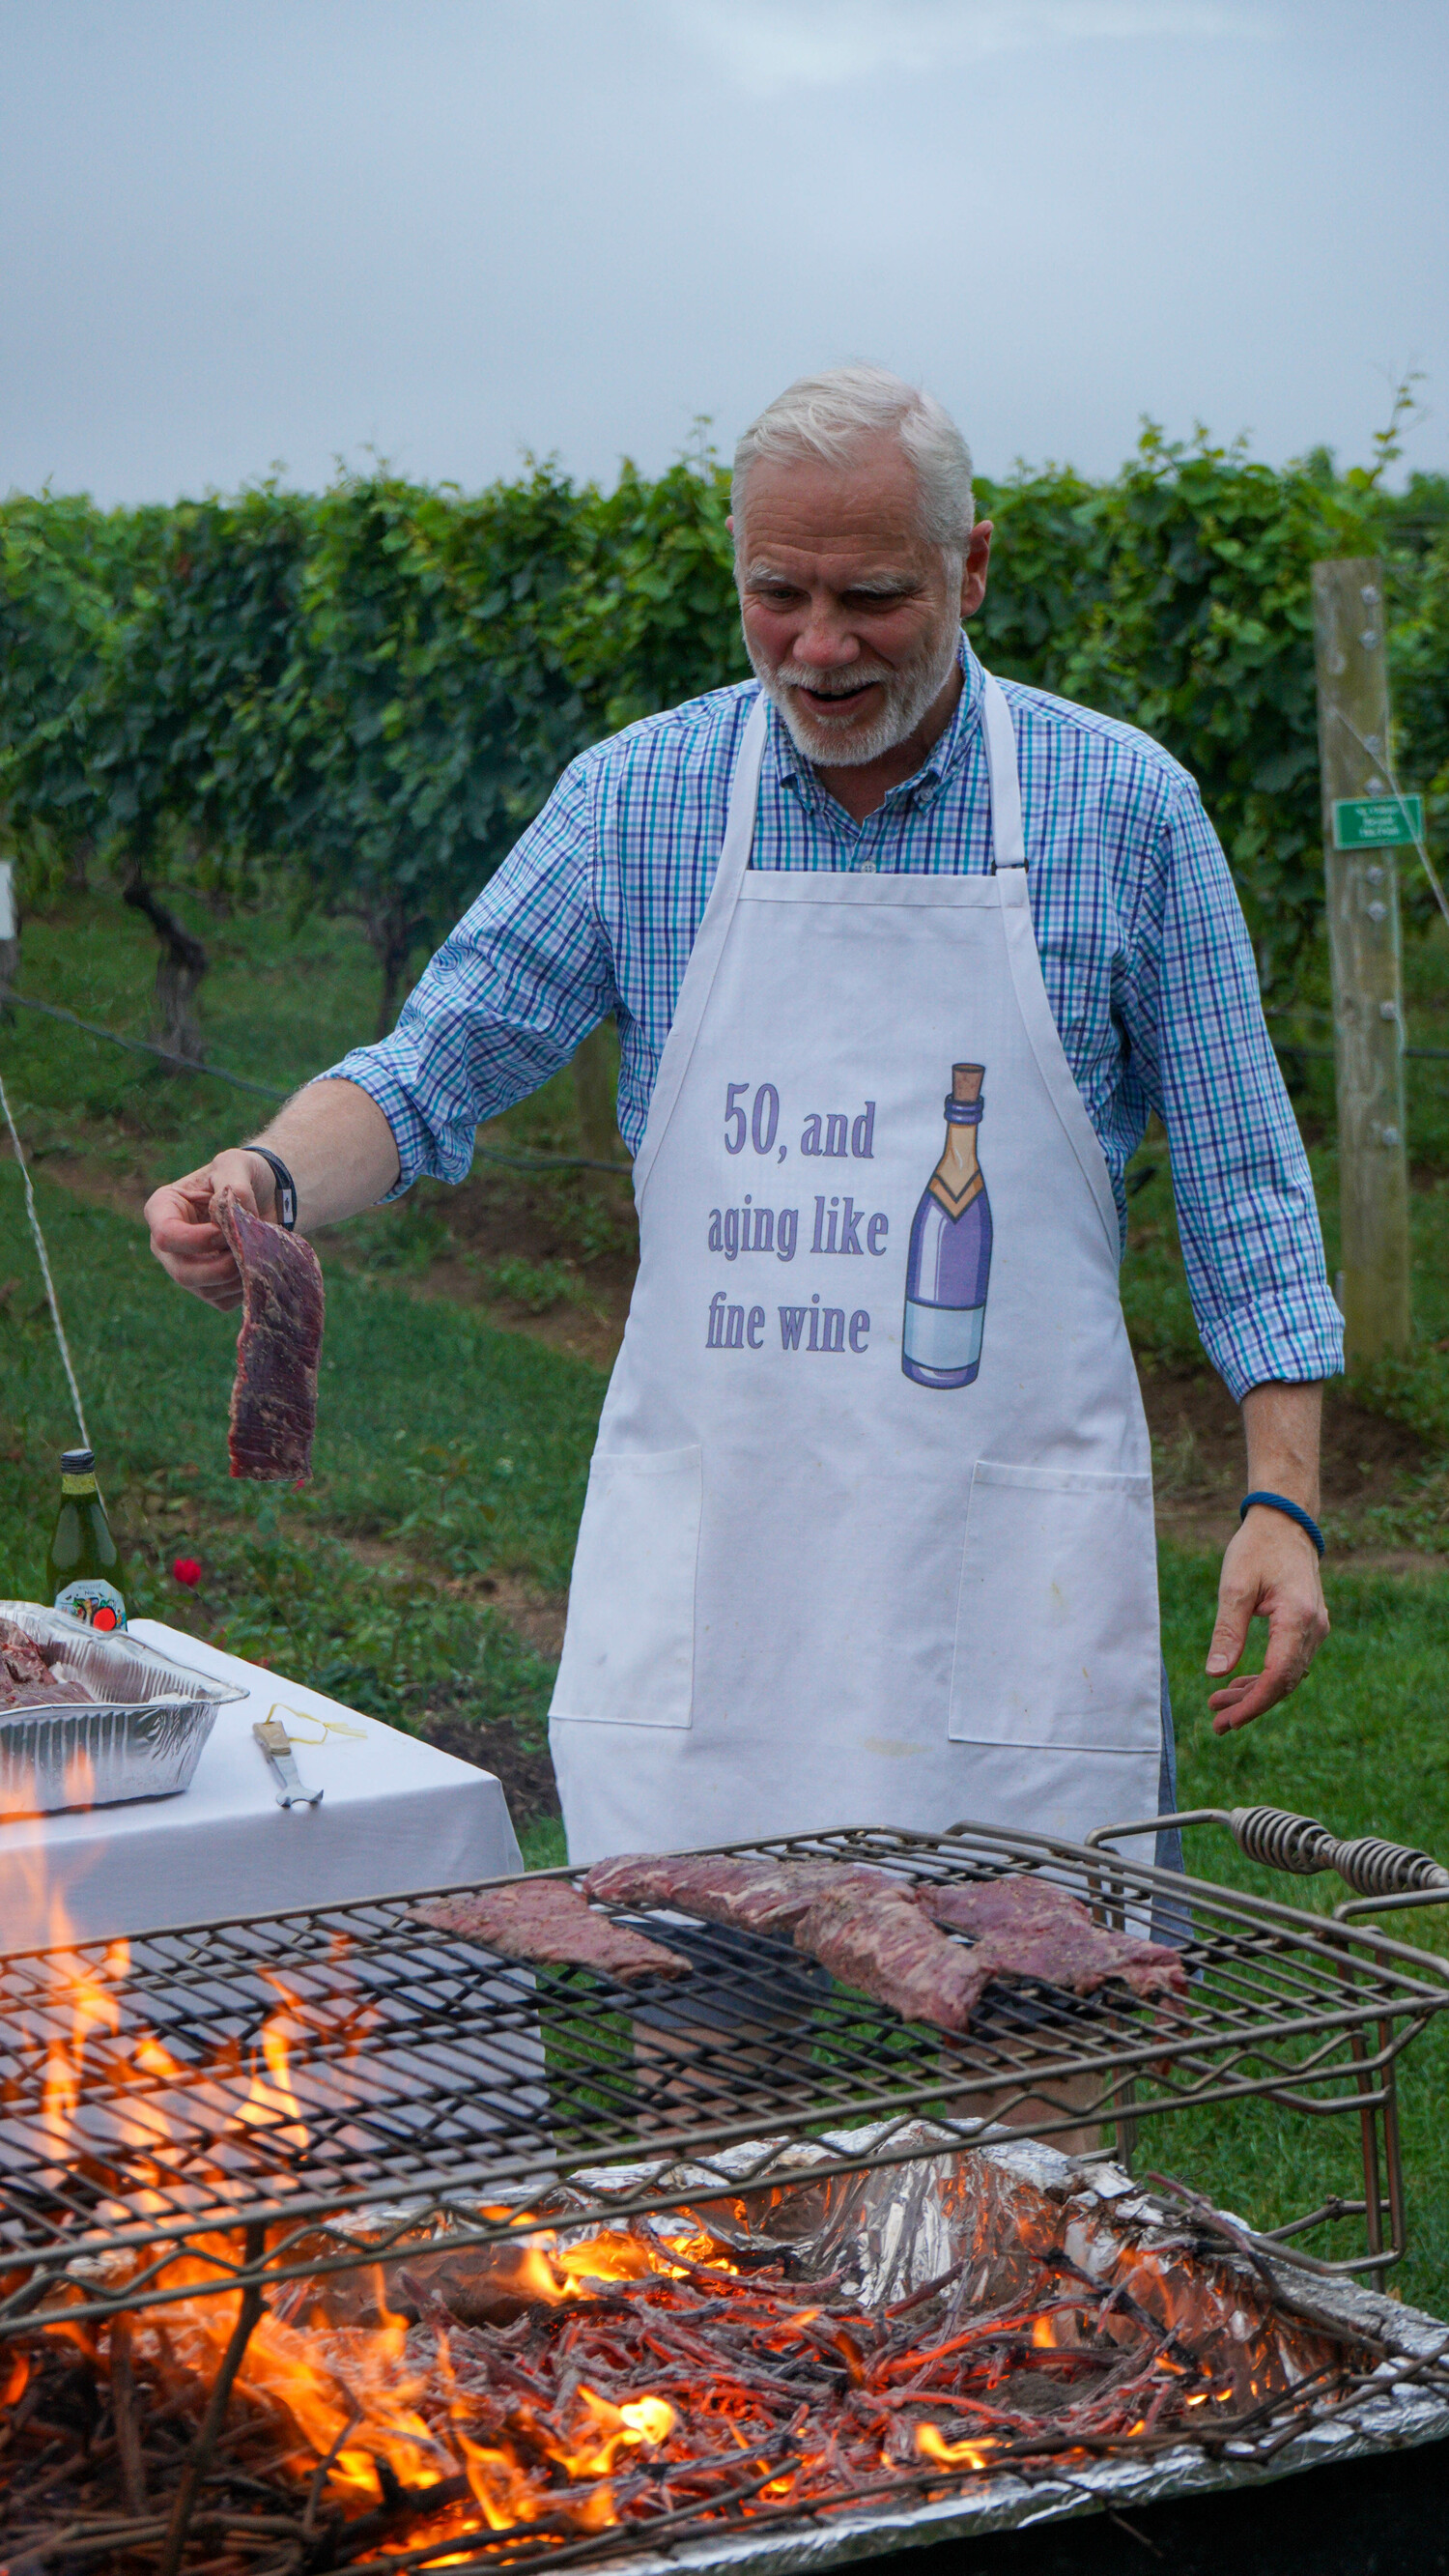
(395, 1815)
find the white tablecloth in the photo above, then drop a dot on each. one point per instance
(396, 1815)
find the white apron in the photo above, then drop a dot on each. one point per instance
(848, 1556)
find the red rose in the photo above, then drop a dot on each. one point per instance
(186, 1570)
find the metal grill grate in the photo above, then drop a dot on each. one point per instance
(194, 2087)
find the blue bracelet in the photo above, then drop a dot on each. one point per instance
(1280, 1503)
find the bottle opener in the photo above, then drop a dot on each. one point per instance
(276, 1744)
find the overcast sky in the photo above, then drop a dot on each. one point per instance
(240, 234)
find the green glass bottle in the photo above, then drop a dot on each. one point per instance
(83, 1565)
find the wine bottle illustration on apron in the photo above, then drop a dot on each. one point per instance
(950, 1256)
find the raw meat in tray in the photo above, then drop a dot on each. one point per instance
(27, 1678)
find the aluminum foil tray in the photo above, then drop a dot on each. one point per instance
(898, 2228)
(141, 1739)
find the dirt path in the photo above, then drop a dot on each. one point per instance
(1198, 1464)
(538, 1617)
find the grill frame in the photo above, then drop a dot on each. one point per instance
(1348, 1997)
(1372, 2408)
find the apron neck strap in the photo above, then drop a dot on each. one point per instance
(709, 940)
(1008, 838)
(739, 836)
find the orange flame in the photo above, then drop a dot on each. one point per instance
(932, 2444)
(504, 2492)
(355, 2396)
(80, 1779)
(268, 2101)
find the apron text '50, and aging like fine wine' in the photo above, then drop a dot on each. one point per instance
(950, 1255)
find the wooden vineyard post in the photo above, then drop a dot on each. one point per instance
(9, 928)
(1364, 950)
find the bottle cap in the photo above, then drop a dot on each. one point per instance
(77, 1462)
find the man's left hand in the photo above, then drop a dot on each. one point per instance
(1269, 1572)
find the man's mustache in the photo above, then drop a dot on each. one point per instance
(844, 684)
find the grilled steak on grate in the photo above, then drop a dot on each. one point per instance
(887, 1939)
(546, 1921)
(26, 1680)
(881, 1942)
(1026, 1927)
(767, 1896)
(274, 1399)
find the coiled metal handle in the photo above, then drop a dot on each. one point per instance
(1282, 1840)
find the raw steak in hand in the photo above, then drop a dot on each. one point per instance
(274, 1400)
(547, 1922)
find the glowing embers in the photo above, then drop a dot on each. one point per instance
(760, 2355)
(802, 2344)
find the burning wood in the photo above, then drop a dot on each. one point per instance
(581, 2383)
(582, 2387)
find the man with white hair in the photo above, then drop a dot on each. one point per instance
(869, 1532)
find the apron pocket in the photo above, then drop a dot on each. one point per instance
(1056, 1617)
(628, 1657)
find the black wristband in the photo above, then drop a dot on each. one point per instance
(1294, 1511)
(286, 1199)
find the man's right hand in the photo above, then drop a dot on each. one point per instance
(341, 1151)
(190, 1248)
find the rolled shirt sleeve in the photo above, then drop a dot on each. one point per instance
(1246, 1212)
(504, 1002)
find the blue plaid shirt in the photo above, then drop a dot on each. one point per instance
(1144, 950)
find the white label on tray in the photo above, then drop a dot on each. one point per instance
(94, 1600)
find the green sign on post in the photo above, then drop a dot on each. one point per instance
(1376, 822)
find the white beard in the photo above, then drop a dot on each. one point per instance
(838, 744)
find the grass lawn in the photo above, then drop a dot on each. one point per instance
(462, 1449)
(1362, 1745)
(451, 1457)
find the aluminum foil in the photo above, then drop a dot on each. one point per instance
(142, 1738)
(891, 2230)
(898, 2228)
